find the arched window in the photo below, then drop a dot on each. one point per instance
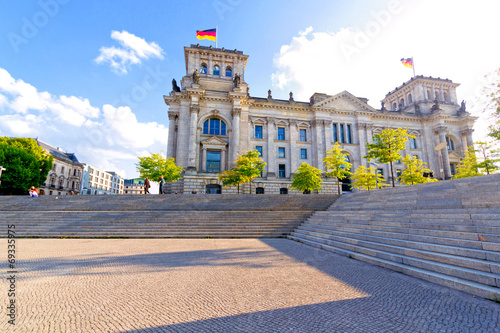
(450, 144)
(214, 126)
(216, 70)
(229, 71)
(394, 106)
(203, 69)
(445, 95)
(402, 102)
(437, 95)
(410, 100)
(429, 95)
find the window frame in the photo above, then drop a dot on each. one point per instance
(281, 152)
(214, 69)
(281, 170)
(303, 138)
(261, 133)
(303, 153)
(281, 136)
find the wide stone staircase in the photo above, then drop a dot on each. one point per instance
(160, 216)
(446, 232)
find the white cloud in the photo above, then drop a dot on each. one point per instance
(109, 139)
(365, 60)
(133, 50)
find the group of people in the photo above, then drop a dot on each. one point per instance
(147, 185)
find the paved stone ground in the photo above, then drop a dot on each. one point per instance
(212, 285)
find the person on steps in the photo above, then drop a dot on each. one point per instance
(162, 181)
(147, 185)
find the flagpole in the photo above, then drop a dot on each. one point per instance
(413, 65)
(216, 30)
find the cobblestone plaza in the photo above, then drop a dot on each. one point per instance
(225, 285)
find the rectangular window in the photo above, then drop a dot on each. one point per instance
(303, 154)
(381, 172)
(281, 171)
(213, 161)
(281, 133)
(281, 152)
(258, 132)
(413, 143)
(452, 169)
(303, 135)
(335, 134)
(349, 136)
(259, 149)
(342, 138)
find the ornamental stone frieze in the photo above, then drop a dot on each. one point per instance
(440, 130)
(466, 132)
(194, 108)
(236, 112)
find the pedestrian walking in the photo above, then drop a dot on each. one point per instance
(162, 181)
(147, 185)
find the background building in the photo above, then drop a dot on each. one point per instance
(66, 174)
(133, 186)
(95, 181)
(213, 118)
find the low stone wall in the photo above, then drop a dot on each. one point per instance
(198, 184)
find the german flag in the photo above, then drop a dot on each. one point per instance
(210, 34)
(408, 62)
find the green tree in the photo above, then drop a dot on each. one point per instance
(231, 178)
(387, 145)
(337, 164)
(468, 166)
(248, 166)
(156, 165)
(367, 178)
(489, 157)
(26, 163)
(307, 178)
(414, 172)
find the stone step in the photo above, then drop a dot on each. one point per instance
(439, 278)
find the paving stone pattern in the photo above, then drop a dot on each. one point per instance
(222, 285)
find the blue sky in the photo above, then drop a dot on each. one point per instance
(57, 81)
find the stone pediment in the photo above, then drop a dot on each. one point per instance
(214, 142)
(454, 155)
(344, 101)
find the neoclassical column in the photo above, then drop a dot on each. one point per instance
(467, 137)
(271, 155)
(328, 134)
(172, 116)
(222, 160)
(362, 144)
(236, 112)
(294, 154)
(194, 110)
(441, 132)
(318, 126)
(204, 159)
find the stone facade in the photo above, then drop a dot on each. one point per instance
(213, 119)
(66, 174)
(95, 181)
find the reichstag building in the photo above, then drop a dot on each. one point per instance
(213, 119)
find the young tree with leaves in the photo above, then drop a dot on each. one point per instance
(468, 166)
(337, 164)
(26, 163)
(307, 178)
(248, 166)
(367, 178)
(387, 145)
(156, 165)
(490, 157)
(414, 172)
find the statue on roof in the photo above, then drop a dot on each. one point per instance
(462, 106)
(291, 97)
(196, 77)
(382, 107)
(435, 107)
(175, 87)
(269, 94)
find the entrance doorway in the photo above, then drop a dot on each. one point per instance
(213, 189)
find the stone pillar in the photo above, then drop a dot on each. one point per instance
(194, 110)
(171, 134)
(441, 132)
(467, 137)
(236, 133)
(362, 144)
(320, 153)
(328, 134)
(222, 160)
(294, 154)
(271, 155)
(204, 159)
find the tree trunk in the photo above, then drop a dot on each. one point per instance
(338, 186)
(392, 175)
